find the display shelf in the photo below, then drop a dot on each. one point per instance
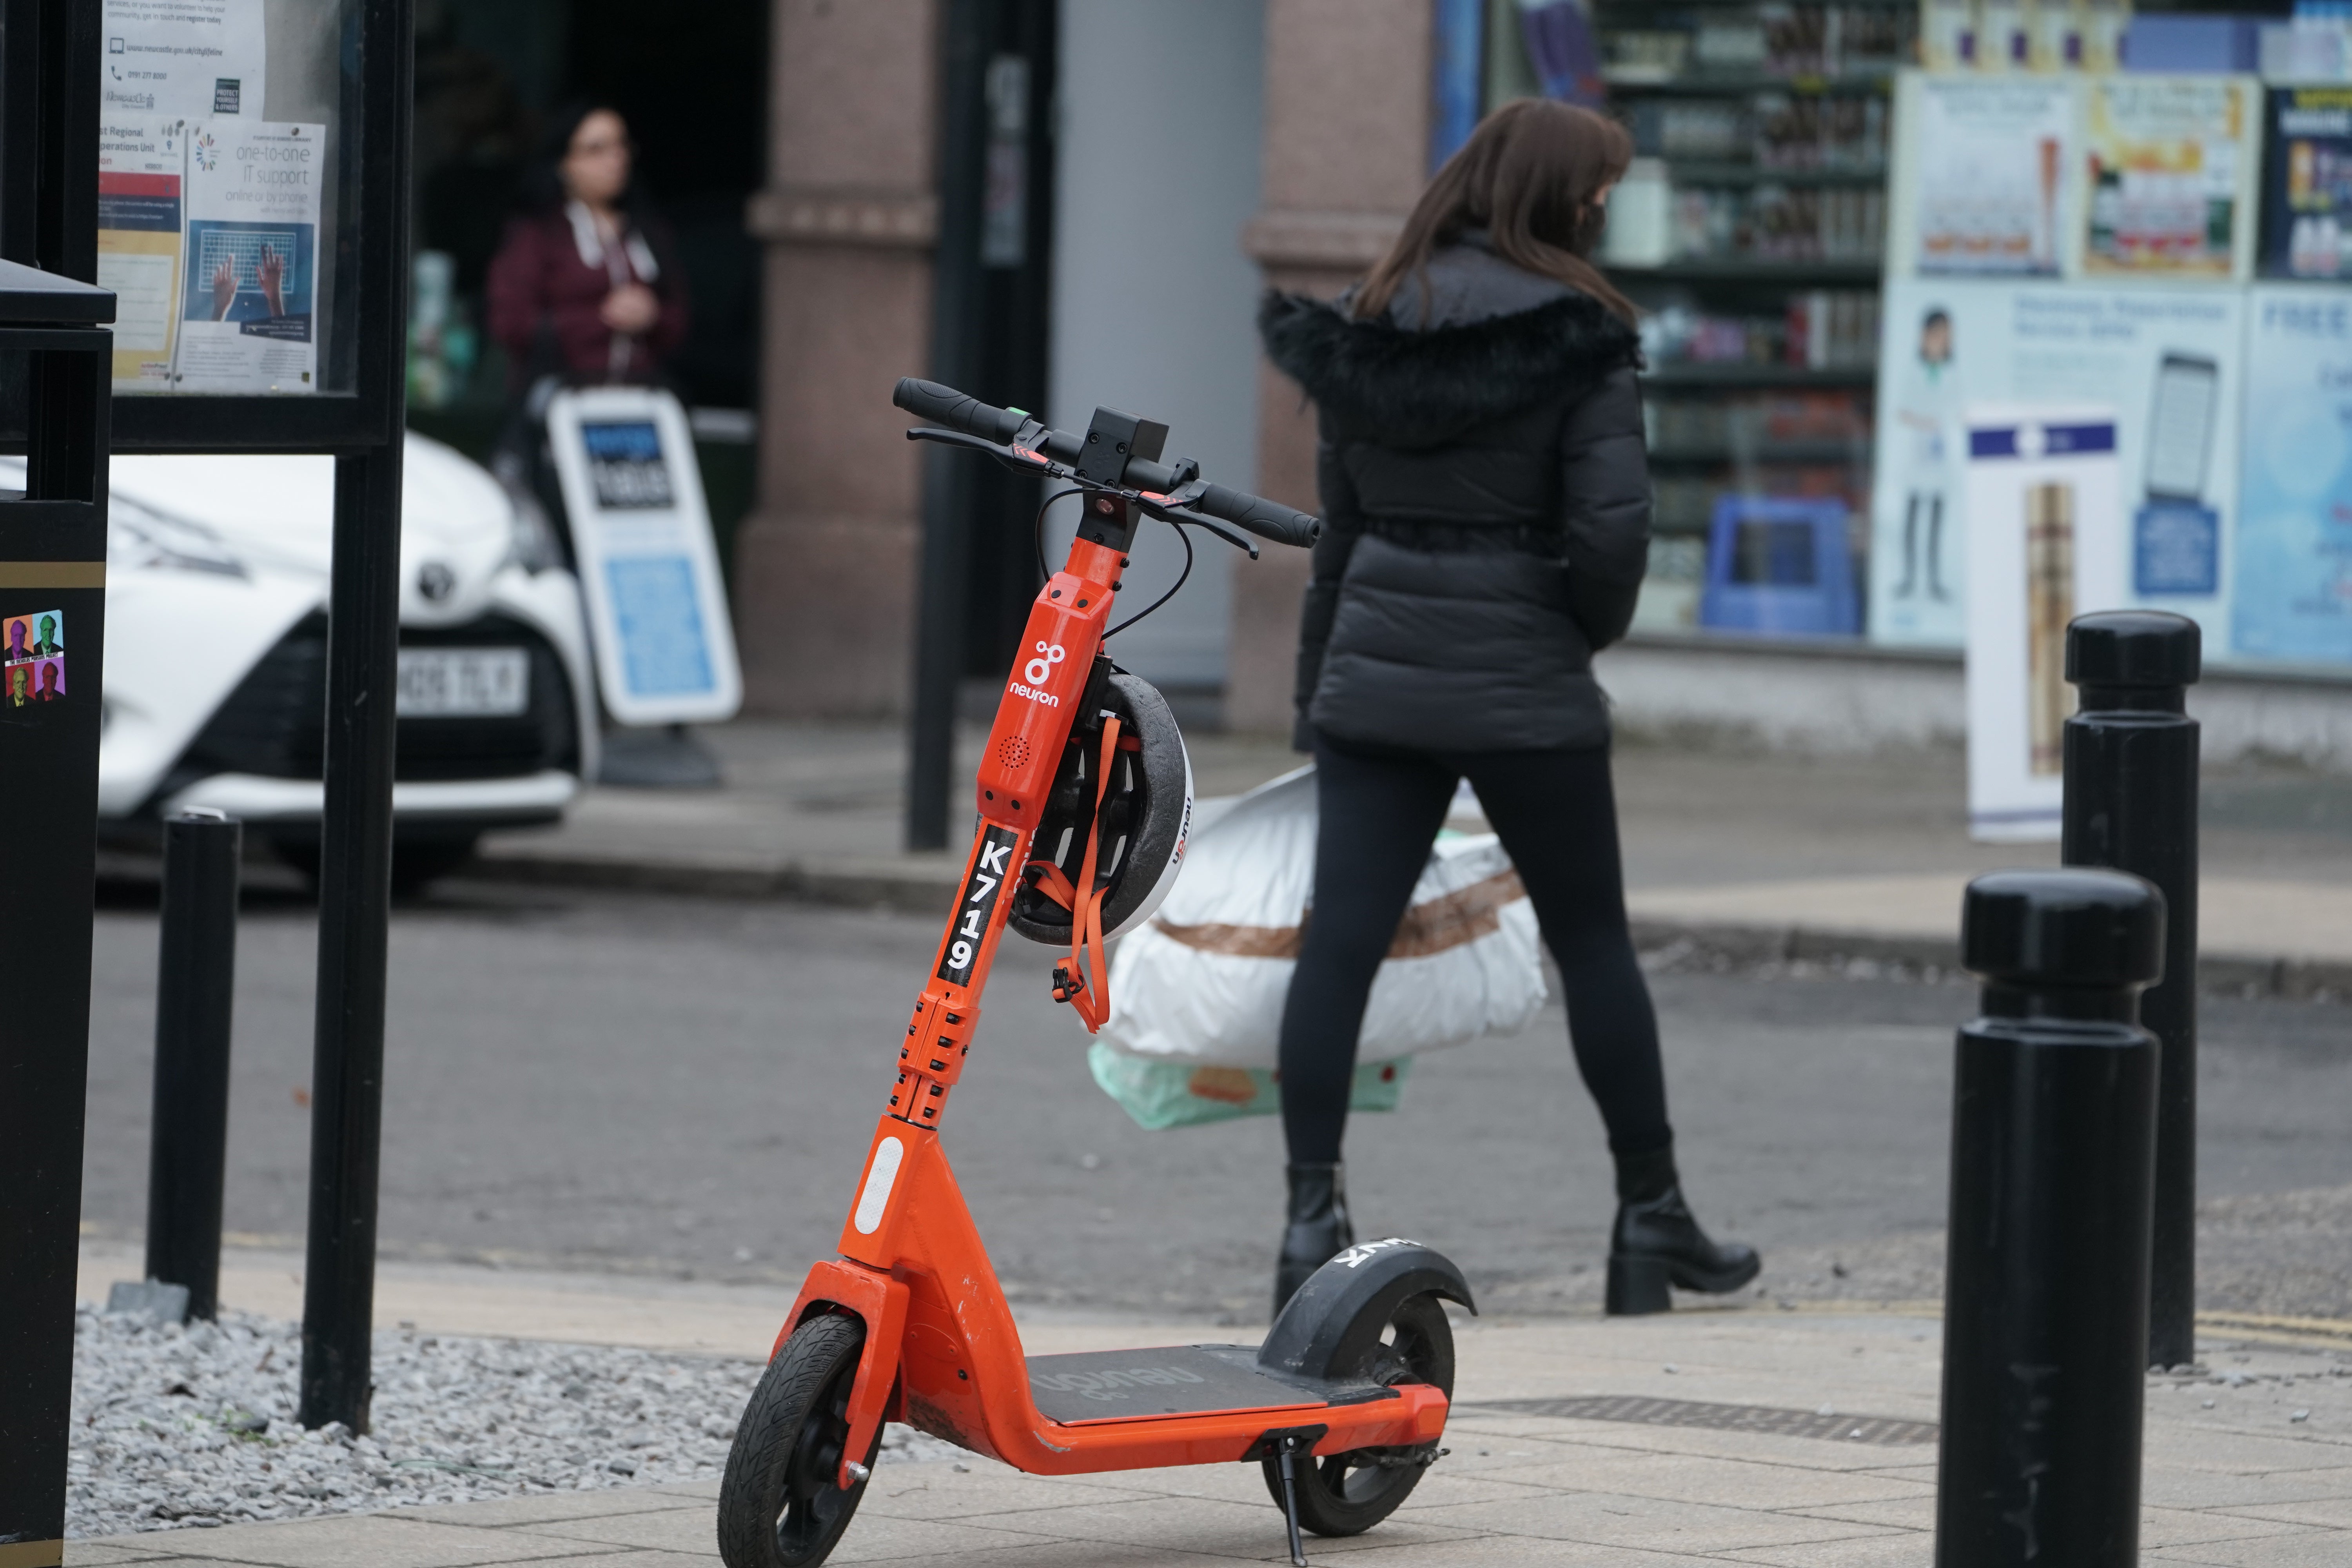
(1775, 84)
(1715, 171)
(1769, 453)
(1772, 274)
(1676, 376)
(1750, 4)
(1642, 82)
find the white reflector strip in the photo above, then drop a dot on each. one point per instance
(879, 1180)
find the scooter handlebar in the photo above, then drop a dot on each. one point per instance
(956, 410)
(969, 416)
(1268, 520)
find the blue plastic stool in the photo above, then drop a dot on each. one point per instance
(1779, 564)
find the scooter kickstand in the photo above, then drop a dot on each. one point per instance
(1289, 1464)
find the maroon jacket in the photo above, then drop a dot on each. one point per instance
(543, 291)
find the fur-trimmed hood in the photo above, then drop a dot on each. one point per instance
(1403, 388)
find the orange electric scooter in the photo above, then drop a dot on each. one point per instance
(1344, 1402)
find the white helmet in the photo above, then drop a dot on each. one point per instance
(1144, 822)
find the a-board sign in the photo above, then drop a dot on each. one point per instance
(2046, 543)
(648, 567)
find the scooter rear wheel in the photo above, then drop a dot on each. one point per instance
(779, 1505)
(1347, 1494)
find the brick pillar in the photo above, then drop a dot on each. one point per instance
(825, 565)
(1346, 139)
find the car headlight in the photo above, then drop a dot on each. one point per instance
(140, 539)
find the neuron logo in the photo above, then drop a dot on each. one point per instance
(206, 150)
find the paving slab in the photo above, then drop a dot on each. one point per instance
(370, 1541)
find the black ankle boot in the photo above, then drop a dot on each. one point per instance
(1656, 1242)
(1318, 1228)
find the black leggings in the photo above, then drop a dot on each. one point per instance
(1557, 819)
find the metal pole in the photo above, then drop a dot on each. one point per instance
(196, 995)
(2131, 803)
(355, 836)
(2045, 1284)
(354, 928)
(948, 485)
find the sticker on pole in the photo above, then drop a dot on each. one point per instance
(649, 566)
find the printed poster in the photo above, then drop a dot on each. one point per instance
(2307, 183)
(250, 276)
(142, 170)
(185, 59)
(1987, 175)
(2170, 170)
(2167, 362)
(2293, 598)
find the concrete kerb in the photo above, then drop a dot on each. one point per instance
(916, 885)
(1740, 946)
(925, 885)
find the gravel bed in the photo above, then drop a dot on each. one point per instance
(179, 1427)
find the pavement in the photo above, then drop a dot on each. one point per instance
(1743, 1435)
(1753, 855)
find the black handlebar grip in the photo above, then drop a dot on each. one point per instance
(1268, 520)
(956, 410)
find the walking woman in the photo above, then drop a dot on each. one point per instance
(1486, 506)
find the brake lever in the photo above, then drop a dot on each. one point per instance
(1195, 520)
(1019, 460)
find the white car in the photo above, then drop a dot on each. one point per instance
(216, 654)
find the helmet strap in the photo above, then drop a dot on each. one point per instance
(1079, 980)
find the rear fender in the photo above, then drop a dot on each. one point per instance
(881, 1301)
(1330, 1327)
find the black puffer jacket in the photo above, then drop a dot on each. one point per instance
(1487, 507)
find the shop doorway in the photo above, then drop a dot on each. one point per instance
(490, 74)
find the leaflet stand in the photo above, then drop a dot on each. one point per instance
(649, 572)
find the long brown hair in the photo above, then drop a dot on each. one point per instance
(1527, 176)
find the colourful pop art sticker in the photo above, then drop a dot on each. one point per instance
(40, 634)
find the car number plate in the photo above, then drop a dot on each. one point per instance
(463, 682)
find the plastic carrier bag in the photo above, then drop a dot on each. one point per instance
(1197, 994)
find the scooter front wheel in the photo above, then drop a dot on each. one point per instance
(1347, 1494)
(779, 1505)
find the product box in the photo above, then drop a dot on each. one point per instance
(2307, 183)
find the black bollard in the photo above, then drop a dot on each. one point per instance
(2045, 1285)
(195, 994)
(2131, 804)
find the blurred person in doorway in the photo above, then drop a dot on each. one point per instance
(587, 286)
(585, 289)
(1487, 502)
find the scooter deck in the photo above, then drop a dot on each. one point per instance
(1176, 1380)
